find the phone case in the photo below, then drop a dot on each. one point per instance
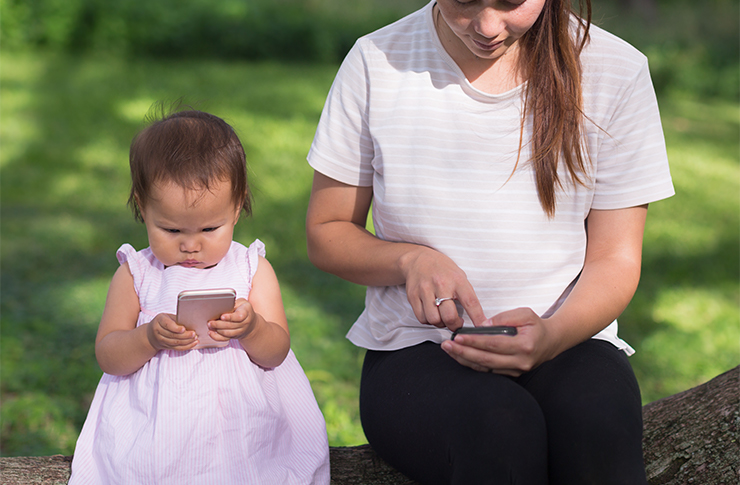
(196, 307)
(485, 331)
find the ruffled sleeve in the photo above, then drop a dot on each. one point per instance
(127, 254)
(254, 251)
(139, 263)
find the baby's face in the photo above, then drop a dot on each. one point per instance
(191, 228)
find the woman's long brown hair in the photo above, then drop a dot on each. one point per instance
(550, 61)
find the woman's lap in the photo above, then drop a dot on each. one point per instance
(440, 422)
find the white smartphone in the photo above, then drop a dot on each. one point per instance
(195, 308)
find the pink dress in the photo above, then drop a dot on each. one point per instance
(207, 416)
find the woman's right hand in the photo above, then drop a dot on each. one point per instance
(163, 332)
(338, 243)
(431, 275)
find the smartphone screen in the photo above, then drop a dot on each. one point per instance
(485, 331)
(195, 308)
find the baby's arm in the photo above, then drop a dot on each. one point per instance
(259, 324)
(121, 347)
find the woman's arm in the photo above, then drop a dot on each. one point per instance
(605, 287)
(121, 347)
(338, 243)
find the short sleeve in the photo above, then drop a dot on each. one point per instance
(254, 251)
(631, 163)
(342, 147)
(127, 254)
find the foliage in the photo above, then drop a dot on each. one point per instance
(692, 52)
(314, 30)
(66, 123)
(692, 48)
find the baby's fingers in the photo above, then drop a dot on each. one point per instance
(240, 313)
(165, 333)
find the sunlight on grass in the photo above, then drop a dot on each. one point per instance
(82, 302)
(699, 337)
(35, 424)
(101, 153)
(17, 126)
(694, 310)
(278, 148)
(133, 110)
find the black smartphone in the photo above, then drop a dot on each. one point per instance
(484, 331)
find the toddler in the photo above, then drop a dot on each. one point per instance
(166, 412)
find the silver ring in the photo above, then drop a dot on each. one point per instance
(438, 301)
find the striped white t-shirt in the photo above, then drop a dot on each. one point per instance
(441, 156)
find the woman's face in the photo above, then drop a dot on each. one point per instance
(489, 28)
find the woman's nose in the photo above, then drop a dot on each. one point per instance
(488, 23)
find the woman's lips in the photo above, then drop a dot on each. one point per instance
(488, 47)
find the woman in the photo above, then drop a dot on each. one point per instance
(509, 150)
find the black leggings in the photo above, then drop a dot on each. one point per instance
(576, 419)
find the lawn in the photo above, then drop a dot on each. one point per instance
(66, 124)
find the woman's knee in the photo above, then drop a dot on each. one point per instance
(499, 443)
(451, 423)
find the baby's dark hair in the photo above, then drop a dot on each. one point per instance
(192, 149)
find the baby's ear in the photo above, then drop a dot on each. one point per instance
(138, 207)
(237, 214)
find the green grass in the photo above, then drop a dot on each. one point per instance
(66, 123)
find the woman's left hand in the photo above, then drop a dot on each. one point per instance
(605, 286)
(503, 354)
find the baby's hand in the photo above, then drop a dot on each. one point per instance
(164, 332)
(235, 325)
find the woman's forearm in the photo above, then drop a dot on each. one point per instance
(603, 291)
(609, 278)
(356, 255)
(338, 242)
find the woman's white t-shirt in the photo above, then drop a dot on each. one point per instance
(441, 157)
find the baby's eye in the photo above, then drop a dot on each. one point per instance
(210, 229)
(173, 231)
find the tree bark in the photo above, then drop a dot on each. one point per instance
(691, 437)
(694, 436)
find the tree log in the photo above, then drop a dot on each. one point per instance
(691, 437)
(694, 436)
